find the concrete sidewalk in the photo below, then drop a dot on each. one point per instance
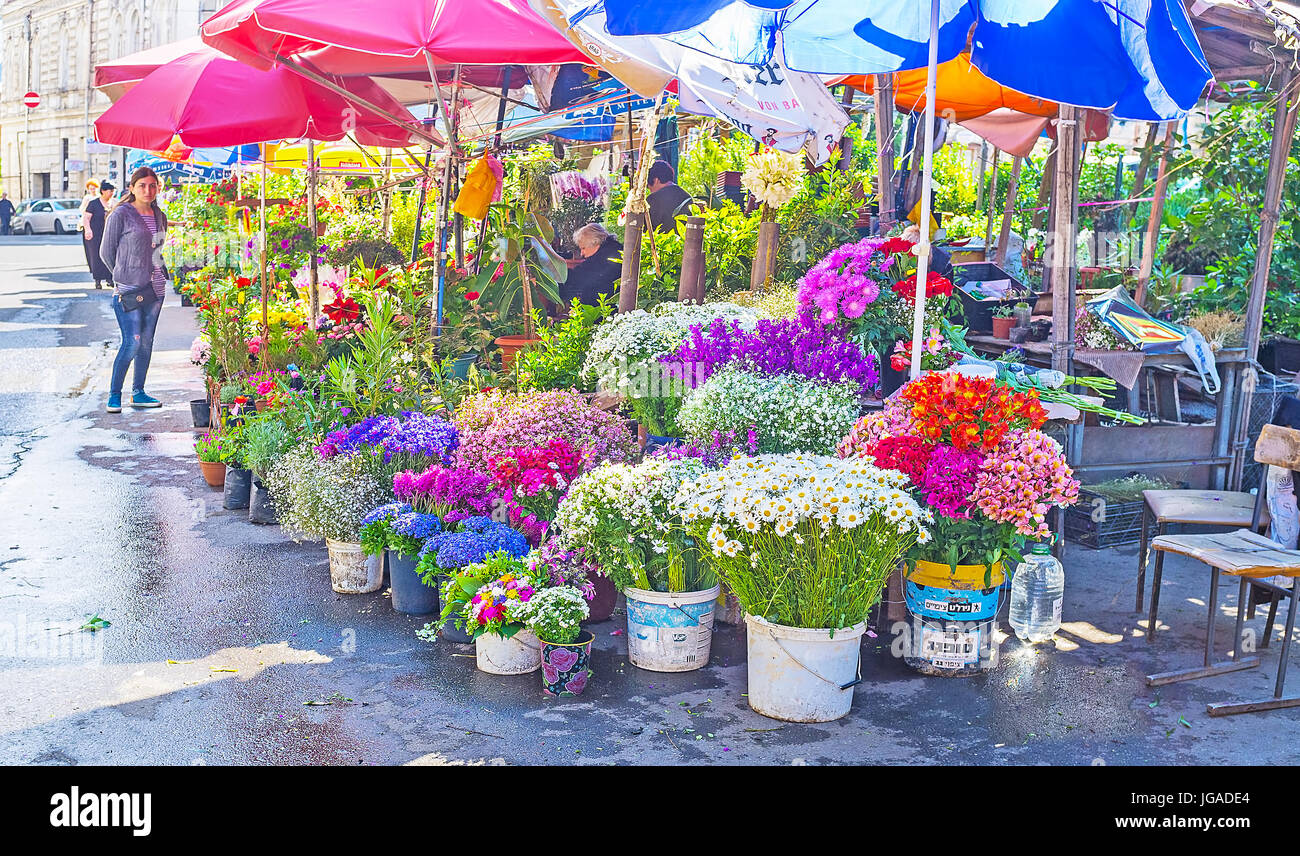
(227, 645)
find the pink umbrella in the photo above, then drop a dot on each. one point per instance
(116, 77)
(208, 99)
(383, 37)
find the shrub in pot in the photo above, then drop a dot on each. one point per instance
(212, 451)
(555, 616)
(239, 479)
(266, 439)
(620, 515)
(1003, 321)
(329, 497)
(807, 544)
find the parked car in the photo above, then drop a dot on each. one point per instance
(59, 216)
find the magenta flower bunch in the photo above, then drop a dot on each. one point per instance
(800, 346)
(847, 281)
(497, 420)
(949, 480)
(451, 493)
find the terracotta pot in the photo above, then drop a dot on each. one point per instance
(510, 345)
(602, 606)
(1002, 327)
(262, 404)
(214, 473)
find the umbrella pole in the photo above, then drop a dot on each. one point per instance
(452, 119)
(884, 107)
(923, 248)
(993, 201)
(313, 274)
(261, 210)
(480, 247)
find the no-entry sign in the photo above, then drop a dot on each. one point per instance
(31, 99)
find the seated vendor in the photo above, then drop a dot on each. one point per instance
(939, 262)
(599, 269)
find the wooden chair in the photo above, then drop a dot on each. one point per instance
(1247, 555)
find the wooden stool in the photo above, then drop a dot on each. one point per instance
(1243, 554)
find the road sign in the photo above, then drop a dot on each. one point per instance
(31, 99)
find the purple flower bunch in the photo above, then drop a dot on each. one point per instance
(414, 435)
(949, 480)
(846, 281)
(721, 448)
(385, 513)
(451, 493)
(799, 346)
(565, 567)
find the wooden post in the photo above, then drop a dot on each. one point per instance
(691, 287)
(1144, 163)
(1061, 274)
(313, 273)
(1004, 234)
(1044, 190)
(846, 142)
(769, 236)
(993, 200)
(630, 280)
(884, 110)
(1284, 122)
(261, 211)
(979, 174)
(1157, 213)
(386, 215)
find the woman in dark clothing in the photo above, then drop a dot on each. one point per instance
(598, 271)
(92, 234)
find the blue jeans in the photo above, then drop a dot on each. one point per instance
(137, 329)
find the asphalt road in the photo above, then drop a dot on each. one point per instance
(227, 645)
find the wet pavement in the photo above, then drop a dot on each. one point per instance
(227, 645)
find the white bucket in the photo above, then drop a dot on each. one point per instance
(670, 631)
(518, 655)
(799, 674)
(351, 570)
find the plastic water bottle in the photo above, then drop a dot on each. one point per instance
(1037, 591)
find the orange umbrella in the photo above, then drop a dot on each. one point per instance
(962, 92)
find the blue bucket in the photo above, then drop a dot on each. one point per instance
(951, 604)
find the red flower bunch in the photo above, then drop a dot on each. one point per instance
(897, 245)
(535, 478)
(243, 281)
(472, 295)
(970, 413)
(935, 286)
(344, 310)
(908, 455)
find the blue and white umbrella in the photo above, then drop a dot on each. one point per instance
(1137, 58)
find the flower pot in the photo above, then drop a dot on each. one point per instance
(518, 655)
(185, 299)
(670, 631)
(450, 632)
(564, 666)
(1002, 326)
(801, 674)
(214, 473)
(260, 508)
(238, 488)
(510, 345)
(262, 404)
(601, 607)
(460, 368)
(1023, 316)
(410, 594)
(351, 570)
(953, 617)
(201, 412)
(1018, 335)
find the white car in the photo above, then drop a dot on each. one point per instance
(59, 216)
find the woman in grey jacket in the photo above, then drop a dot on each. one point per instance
(132, 249)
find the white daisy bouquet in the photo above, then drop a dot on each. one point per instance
(803, 540)
(789, 413)
(622, 517)
(774, 177)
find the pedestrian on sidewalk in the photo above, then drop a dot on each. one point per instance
(6, 213)
(132, 249)
(92, 233)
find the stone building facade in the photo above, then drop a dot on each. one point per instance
(51, 47)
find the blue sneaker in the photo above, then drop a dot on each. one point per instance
(139, 399)
(114, 403)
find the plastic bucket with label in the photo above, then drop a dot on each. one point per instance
(953, 618)
(670, 631)
(799, 674)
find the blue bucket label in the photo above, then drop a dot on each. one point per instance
(956, 604)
